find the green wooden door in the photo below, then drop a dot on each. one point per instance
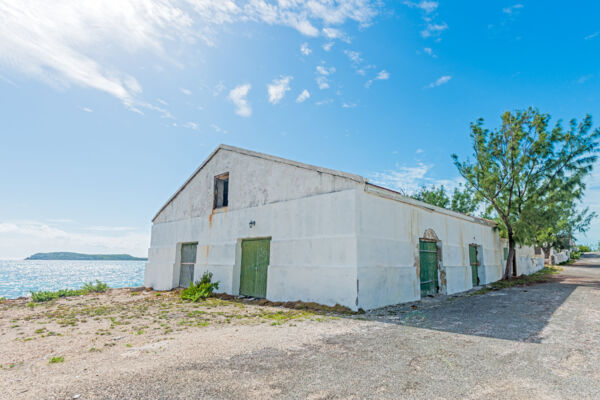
(255, 262)
(474, 264)
(428, 267)
(188, 260)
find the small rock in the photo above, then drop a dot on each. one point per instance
(77, 396)
(118, 338)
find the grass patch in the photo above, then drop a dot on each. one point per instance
(540, 276)
(90, 287)
(56, 360)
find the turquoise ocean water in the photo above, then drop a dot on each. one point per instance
(18, 277)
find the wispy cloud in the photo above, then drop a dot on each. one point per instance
(427, 6)
(302, 97)
(429, 51)
(238, 96)
(383, 75)
(278, 88)
(440, 81)
(593, 35)
(409, 179)
(512, 9)
(87, 109)
(304, 49)
(327, 46)
(185, 91)
(65, 43)
(322, 74)
(433, 29)
(354, 56)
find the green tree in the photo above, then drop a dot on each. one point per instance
(526, 164)
(461, 200)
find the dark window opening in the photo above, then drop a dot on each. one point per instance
(221, 191)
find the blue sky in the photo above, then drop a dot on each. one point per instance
(107, 109)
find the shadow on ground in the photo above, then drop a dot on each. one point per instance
(518, 313)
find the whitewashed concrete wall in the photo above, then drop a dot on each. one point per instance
(313, 248)
(334, 240)
(253, 181)
(388, 249)
(527, 261)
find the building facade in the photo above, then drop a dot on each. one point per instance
(283, 230)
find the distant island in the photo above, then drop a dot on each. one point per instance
(63, 255)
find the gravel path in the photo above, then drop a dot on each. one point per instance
(534, 342)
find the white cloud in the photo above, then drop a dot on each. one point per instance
(327, 46)
(238, 96)
(278, 88)
(383, 75)
(348, 105)
(324, 102)
(19, 239)
(433, 29)
(409, 179)
(593, 35)
(322, 74)
(87, 109)
(302, 97)
(354, 56)
(427, 6)
(69, 43)
(304, 49)
(512, 9)
(429, 51)
(185, 91)
(440, 81)
(218, 129)
(191, 125)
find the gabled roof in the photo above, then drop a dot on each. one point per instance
(356, 178)
(369, 187)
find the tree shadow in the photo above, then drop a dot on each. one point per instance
(517, 313)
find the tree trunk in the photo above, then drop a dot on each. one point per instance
(511, 261)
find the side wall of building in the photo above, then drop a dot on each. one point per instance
(312, 252)
(388, 250)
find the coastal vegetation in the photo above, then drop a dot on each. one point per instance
(90, 287)
(201, 289)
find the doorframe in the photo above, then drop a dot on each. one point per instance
(431, 237)
(237, 267)
(479, 261)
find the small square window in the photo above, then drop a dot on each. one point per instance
(221, 191)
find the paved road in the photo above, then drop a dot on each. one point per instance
(536, 342)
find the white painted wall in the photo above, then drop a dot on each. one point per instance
(388, 249)
(334, 240)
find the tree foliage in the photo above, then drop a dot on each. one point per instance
(526, 168)
(462, 198)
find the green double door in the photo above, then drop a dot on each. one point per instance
(255, 262)
(428, 263)
(474, 264)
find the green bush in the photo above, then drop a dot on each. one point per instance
(90, 287)
(98, 287)
(575, 255)
(200, 290)
(584, 248)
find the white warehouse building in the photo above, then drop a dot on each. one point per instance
(272, 228)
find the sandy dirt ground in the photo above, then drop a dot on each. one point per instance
(540, 341)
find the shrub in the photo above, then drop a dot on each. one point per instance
(575, 255)
(201, 289)
(55, 360)
(583, 248)
(98, 287)
(90, 287)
